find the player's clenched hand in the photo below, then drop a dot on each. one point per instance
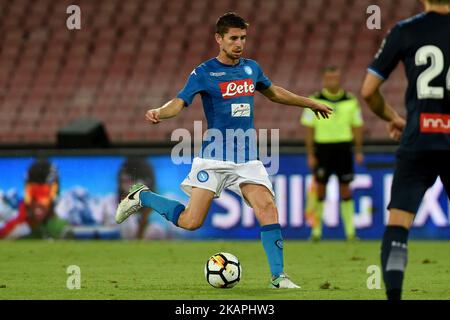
(153, 116)
(320, 110)
(395, 128)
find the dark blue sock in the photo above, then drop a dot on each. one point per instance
(394, 255)
(169, 209)
(272, 241)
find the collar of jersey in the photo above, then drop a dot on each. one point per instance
(436, 13)
(333, 96)
(228, 65)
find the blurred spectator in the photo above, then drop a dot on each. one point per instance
(34, 216)
(41, 191)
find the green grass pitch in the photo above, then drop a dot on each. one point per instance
(174, 270)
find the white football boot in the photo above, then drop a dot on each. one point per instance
(131, 203)
(283, 282)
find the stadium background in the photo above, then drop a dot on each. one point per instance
(130, 55)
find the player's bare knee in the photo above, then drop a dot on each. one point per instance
(401, 218)
(321, 196)
(345, 196)
(321, 192)
(345, 191)
(192, 224)
(266, 211)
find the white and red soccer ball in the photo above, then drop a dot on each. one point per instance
(223, 270)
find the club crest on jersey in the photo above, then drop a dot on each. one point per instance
(237, 88)
(248, 70)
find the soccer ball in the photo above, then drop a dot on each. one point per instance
(223, 270)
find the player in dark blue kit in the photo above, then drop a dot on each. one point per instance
(227, 85)
(422, 43)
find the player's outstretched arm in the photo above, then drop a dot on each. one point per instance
(169, 110)
(370, 92)
(283, 96)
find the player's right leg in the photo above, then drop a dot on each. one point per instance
(196, 211)
(202, 185)
(190, 217)
(316, 231)
(322, 173)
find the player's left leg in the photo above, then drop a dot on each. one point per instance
(394, 251)
(414, 174)
(322, 172)
(444, 171)
(345, 173)
(262, 202)
(347, 210)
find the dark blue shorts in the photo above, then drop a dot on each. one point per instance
(334, 158)
(414, 173)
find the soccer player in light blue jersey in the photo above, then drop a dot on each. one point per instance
(227, 85)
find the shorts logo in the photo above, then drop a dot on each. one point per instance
(248, 70)
(238, 88)
(202, 176)
(279, 243)
(240, 110)
(434, 123)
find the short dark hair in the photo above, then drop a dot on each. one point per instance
(42, 171)
(230, 20)
(330, 68)
(439, 2)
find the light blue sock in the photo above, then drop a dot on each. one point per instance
(169, 209)
(272, 241)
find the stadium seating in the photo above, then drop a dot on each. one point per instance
(135, 54)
